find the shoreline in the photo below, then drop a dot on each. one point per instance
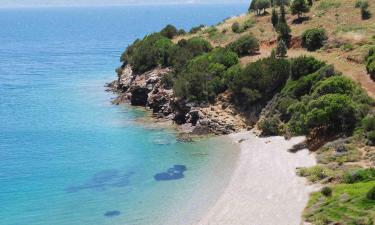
(265, 174)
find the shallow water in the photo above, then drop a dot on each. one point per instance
(69, 157)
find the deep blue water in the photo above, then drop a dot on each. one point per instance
(69, 157)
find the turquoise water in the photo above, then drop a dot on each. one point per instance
(69, 157)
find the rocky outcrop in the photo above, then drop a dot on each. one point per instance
(147, 90)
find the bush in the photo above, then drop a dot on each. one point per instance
(371, 194)
(259, 81)
(368, 123)
(363, 5)
(270, 126)
(236, 28)
(334, 85)
(204, 76)
(326, 191)
(245, 45)
(361, 175)
(195, 30)
(370, 63)
(181, 32)
(313, 39)
(298, 7)
(371, 137)
(143, 55)
(169, 31)
(304, 65)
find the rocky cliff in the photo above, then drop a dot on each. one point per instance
(147, 90)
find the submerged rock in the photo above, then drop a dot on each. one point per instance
(174, 173)
(112, 213)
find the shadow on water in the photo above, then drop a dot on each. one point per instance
(112, 213)
(174, 173)
(104, 179)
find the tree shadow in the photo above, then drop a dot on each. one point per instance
(301, 19)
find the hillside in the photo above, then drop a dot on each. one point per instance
(282, 74)
(350, 37)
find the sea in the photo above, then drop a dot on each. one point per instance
(70, 157)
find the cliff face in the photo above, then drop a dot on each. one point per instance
(147, 90)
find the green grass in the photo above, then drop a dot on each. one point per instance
(348, 205)
(328, 4)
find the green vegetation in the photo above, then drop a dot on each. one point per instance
(169, 31)
(304, 65)
(298, 7)
(281, 49)
(313, 39)
(245, 45)
(328, 4)
(364, 6)
(259, 5)
(195, 30)
(349, 205)
(359, 175)
(326, 191)
(259, 81)
(370, 63)
(204, 76)
(274, 18)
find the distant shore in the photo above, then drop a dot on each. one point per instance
(264, 188)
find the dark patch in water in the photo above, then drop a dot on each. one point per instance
(102, 180)
(112, 213)
(174, 173)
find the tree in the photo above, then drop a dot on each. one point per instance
(284, 32)
(299, 7)
(169, 31)
(259, 5)
(282, 18)
(236, 28)
(281, 49)
(274, 18)
(363, 5)
(245, 45)
(314, 38)
(310, 2)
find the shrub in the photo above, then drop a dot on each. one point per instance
(236, 28)
(334, 85)
(195, 30)
(368, 123)
(326, 191)
(363, 5)
(270, 126)
(304, 65)
(281, 49)
(313, 39)
(203, 77)
(169, 31)
(298, 7)
(259, 81)
(249, 23)
(370, 62)
(315, 173)
(245, 45)
(181, 32)
(371, 194)
(361, 175)
(143, 55)
(371, 137)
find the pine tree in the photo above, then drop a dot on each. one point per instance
(284, 32)
(274, 18)
(282, 12)
(281, 49)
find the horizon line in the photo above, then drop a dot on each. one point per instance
(115, 5)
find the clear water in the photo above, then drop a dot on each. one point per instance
(67, 156)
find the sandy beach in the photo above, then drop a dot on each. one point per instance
(264, 189)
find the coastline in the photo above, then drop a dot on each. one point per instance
(258, 193)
